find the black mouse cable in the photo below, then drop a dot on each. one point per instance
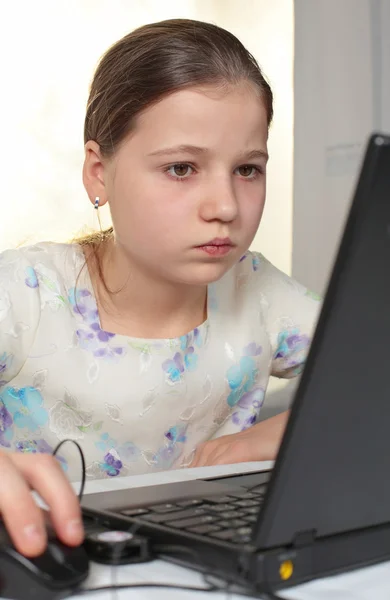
(210, 586)
(83, 466)
(155, 551)
(173, 586)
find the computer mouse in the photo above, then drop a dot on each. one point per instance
(55, 574)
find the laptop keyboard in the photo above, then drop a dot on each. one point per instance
(230, 518)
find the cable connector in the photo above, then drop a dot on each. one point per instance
(118, 547)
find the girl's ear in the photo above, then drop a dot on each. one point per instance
(94, 173)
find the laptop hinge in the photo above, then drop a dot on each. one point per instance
(304, 538)
(285, 565)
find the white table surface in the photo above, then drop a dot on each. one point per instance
(372, 583)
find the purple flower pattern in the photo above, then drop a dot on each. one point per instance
(256, 260)
(39, 447)
(187, 359)
(248, 408)
(245, 395)
(167, 455)
(5, 363)
(89, 335)
(112, 463)
(31, 278)
(292, 350)
(6, 423)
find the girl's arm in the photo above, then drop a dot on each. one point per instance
(259, 442)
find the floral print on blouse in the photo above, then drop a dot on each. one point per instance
(138, 405)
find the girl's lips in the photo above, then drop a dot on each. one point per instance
(216, 249)
(219, 242)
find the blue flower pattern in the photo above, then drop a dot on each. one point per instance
(112, 463)
(31, 279)
(292, 349)
(242, 376)
(256, 260)
(187, 359)
(172, 449)
(25, 405)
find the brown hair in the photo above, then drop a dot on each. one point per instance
(156, 60)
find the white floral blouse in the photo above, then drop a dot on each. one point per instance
(138, 405)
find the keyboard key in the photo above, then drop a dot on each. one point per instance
(242, 539)
(218, 499)
(231, 536)
(134, 512)
(232, 514)
(225, 534)
(171, 516)
(244, 530)
(232, 523)
(204, 529)
(260, 489)
(247, 503)
(164, 508)
(244, 495)
(187, 503)
(252, 510)
(185, 523)
(220, 507)
(250, 519)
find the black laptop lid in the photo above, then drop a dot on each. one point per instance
(333, 470)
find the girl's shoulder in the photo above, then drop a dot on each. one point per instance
(254, 272)
(256, 291)
(51, 253)
(26, 264)
(31, 277)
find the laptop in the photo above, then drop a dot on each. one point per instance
(325, 506)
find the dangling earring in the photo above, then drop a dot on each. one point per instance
(96, 207)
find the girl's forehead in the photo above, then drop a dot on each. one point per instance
(204, 112)
(203, 97)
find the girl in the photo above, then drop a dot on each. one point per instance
(150, 343)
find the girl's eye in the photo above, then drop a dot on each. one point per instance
(249, 171)
(184, 171)
(180, 170)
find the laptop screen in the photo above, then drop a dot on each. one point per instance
(333, 470)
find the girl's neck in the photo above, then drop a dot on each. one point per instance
(132, 302)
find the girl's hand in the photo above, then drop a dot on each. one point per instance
(259, 442)
(22, 517)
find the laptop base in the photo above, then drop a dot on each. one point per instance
(257, 571)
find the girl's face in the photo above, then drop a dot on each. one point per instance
(191, 176)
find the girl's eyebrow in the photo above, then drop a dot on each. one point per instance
(197, 150)
(177, 149)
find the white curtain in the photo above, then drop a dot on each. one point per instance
(341, 94)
